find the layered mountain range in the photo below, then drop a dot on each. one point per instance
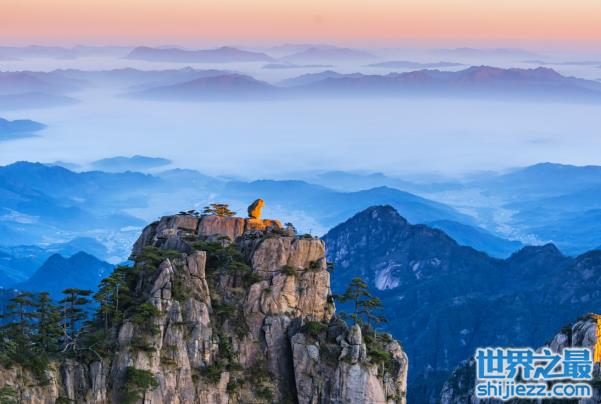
(59, 87)
(481, 81)
(219, 55)
(443, 300)
(111, 206)
(80, 270)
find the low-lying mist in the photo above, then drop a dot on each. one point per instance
(271, 138)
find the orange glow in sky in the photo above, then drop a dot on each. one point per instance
(383, 21)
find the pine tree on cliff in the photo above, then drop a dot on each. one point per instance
(16, 344)
(47, 327)
(73, 314)
(365, 305)
(218, 209)
(110, 295)
(21, 310)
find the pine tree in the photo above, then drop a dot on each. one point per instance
(109, 294)
(365, 305)
(18, 329)
(218, 209)
(73, 314)
(16, 342)
(47, 327)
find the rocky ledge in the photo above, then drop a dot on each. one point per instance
(228, 310)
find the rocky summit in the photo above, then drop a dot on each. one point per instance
(224, 309)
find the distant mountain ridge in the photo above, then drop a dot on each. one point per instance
(479, 81)
(81, 270)
(42, 203)
(133, 163)
(44, 89)
(223, 87)
(473, 81)
(329, 207)
(17, 263)
(477, 238)
(38, 201)
(219, 55)
(22, 82)
(551, 201)
(136, 79)
(18, 128)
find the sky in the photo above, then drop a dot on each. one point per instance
(383, 22)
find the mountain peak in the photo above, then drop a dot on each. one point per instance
(81, 270)
(548, 249)
(383, 212)
(275, 285)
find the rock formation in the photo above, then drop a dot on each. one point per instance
(254, 210)
(228, 310)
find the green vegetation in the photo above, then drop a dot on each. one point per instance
(289, 271)
(365, 308)
(365, 305)
(213, 372)
(152, 257)
(260, 378)
(8, 395)
(109, 292)
(314, 328)
(143, 316)
(84, 325)
(229, 275)
(36, 330)
(218, 209)
(191, 212)
(137, 383)
(315, 266)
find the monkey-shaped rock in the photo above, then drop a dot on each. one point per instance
(254, 210)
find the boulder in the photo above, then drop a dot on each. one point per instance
(254, 210)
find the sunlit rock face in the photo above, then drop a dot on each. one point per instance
(254, 210)
(169, 230)
(243, 313)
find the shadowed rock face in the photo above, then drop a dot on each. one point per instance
(243, 318)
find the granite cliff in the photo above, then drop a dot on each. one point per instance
(224, 310)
